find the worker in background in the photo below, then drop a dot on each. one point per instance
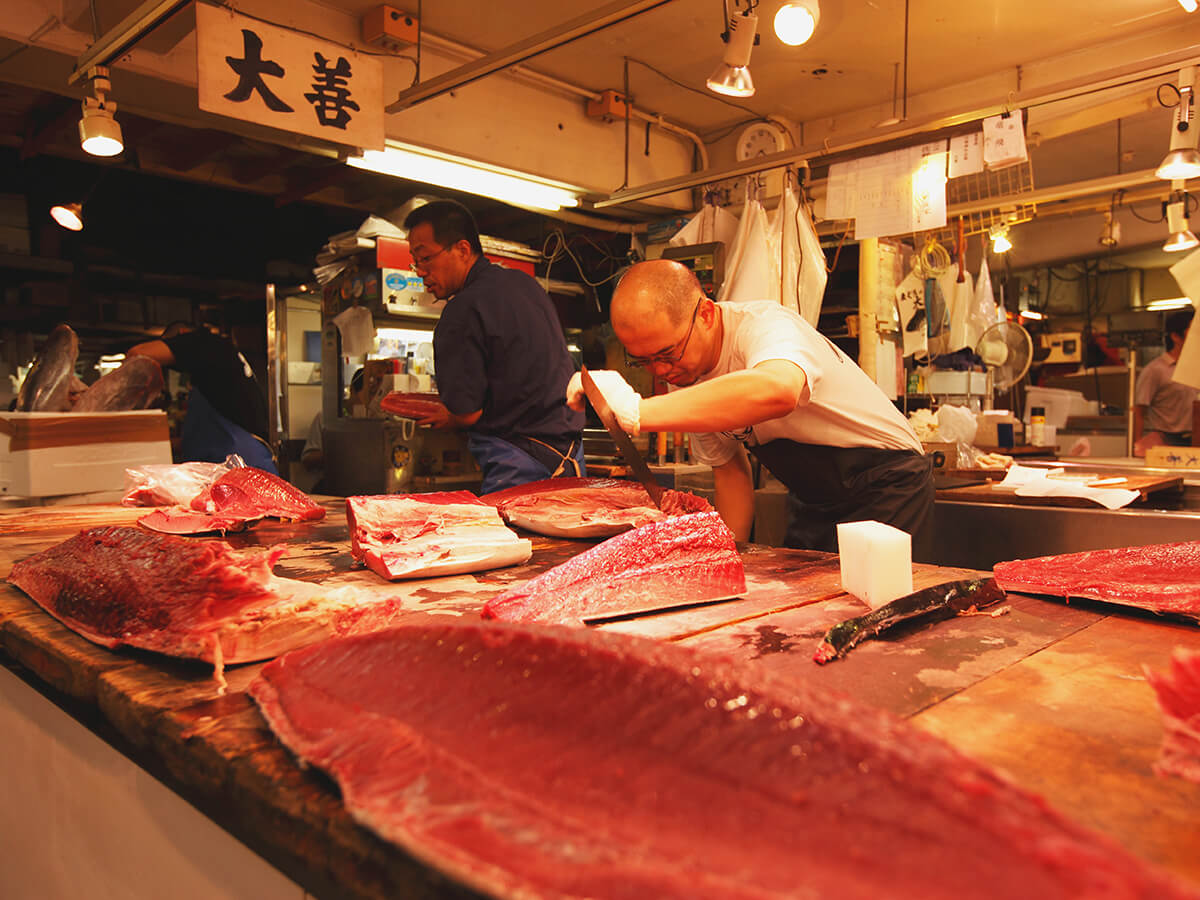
(226, 410)
(502, 363)
(756, 377)
(1162, 413)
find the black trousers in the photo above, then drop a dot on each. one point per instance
(828, 485)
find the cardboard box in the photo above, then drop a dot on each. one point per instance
(944, 453)
(49, 454)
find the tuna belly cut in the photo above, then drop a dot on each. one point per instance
(686, 559)
(541, 761)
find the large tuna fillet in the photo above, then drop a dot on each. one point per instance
(587, 507)
(237, 498)
(425, 535)
(533, 761)
(1160, 577)
(1178, 691)
(687, 559)
(411, 406)
(136, 384)
(51, 379)
(125, 586)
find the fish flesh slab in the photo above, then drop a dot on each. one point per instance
(1159, 577)
(539, 761)
(1178, 691)
(411, 406)
(686, 559)
(200, 599)
(236, 499)
(135, 384)
(428, 535)
(587, 507)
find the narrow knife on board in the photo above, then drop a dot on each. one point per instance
(629, 453)
(932, 604)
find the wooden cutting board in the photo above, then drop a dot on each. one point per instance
(991, 493)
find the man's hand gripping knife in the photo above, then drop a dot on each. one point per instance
(624, 401)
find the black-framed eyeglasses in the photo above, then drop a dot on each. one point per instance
(666, 359)
(423, 262)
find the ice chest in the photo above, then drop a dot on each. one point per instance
(47, 454)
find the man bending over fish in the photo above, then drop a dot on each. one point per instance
(756, 377)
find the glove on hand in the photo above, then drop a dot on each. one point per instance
(624, 401)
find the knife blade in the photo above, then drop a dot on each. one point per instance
(652, 609)
(932, 604)
(629, 453)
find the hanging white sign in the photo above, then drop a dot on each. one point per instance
(966, 154)
(1004, 141)
(284, 79)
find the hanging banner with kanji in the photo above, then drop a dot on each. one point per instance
(285, 79)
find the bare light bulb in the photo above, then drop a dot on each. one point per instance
(795, 22)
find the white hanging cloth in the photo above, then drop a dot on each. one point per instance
(751, 269)
(711, 224)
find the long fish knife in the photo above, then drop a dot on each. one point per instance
(604, 618)
(932, 604)
(632, 458)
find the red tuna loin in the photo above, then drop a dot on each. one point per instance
(427, 535)
(684, 559)
(548, 762)
(125, 586)
(1159, 577)
(411, 406)
(587, 507)
(1178, 691)
(249, 493)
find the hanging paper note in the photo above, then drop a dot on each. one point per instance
(1004, 141)
(966, 154)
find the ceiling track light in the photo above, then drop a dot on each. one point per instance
(1188, 5)
(796, 21)
(732, 76)
(99, 131)
(68, 215)
(1182, 160)
(998, 234)
(1181, 237)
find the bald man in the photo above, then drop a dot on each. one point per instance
(756, 377)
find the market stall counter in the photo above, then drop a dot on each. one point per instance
(1053, 694)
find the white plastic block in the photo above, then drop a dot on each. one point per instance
(876, 561)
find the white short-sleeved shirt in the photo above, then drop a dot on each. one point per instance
(840, 407)
(1169, 402)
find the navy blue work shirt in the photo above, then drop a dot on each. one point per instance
(498, 347)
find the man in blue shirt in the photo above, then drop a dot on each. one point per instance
(501, 361)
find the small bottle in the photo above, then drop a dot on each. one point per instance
(1037, 426)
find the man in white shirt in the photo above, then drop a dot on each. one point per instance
(756, 377)
(1163, 407)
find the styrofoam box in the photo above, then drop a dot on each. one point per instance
(1059, 404)
(944, 381)
(47, 454)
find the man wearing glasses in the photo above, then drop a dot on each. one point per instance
(756, 377)
(501, 361)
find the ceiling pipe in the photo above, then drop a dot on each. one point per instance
(573, 90)
(522, 50)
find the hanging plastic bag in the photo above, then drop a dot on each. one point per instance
(983, 306)
(813, 274)
(751, 272)
(712, 224)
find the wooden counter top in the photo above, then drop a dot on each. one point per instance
(1051, 693)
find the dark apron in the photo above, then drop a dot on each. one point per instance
(207, 436)
(505, 464)
(828, 485)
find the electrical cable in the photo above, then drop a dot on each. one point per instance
(241, 12)
(687, 87)
(556, 246)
